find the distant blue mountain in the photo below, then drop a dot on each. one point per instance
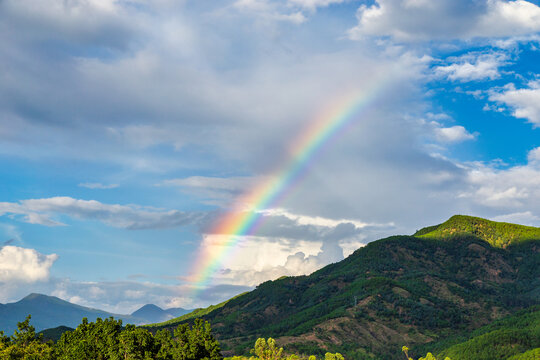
(152, 313)
(50, 312)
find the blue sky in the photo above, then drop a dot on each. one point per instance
(128, 127)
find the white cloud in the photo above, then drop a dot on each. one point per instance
(534, 156)
(258, 259)
(524, 102)
(24, 265)
(286, 244)
(418, 20)
(471, 67)
(318, 220)
(516, 188)
(524, 218)
(453, 134)
(41, 211)
(95, 185)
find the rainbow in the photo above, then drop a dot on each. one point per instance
(303, 152)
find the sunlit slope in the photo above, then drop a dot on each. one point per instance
(402, 290)
(498, 234)
(513, 337)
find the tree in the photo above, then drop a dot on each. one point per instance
(267, 350)
(429, 355)
(191, 343)
(97, 341)
(136, 344)
(24, 344)
(330, 356)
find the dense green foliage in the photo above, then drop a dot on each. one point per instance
(501, 339)
(498, 234)
(533, 354)
(403, 289)
(108, 340)
(24, 344)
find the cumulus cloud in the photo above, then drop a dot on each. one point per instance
(437, 130)
(524, 218)
(298, 245)
(249, 266)
(418, 20)
(472, 67)
(42, 211)
(524, 102)
(515, 188)
(24, 265)
(453, 134)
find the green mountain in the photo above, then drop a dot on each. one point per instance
(497, 234)
(55, 334)
(442, 283)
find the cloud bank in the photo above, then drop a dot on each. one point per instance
(423, 20)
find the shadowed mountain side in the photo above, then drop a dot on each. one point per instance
(395, 291)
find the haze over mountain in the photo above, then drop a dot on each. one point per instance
(438, 285)
(50, 312)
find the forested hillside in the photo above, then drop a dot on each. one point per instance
(400, 290)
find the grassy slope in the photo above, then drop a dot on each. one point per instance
(497, 234)
(407, 290)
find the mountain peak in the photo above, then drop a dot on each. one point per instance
(149, 307)
(39, 297)
(497, 234)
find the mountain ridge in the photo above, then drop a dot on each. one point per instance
(49, 312)
(399, 290)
